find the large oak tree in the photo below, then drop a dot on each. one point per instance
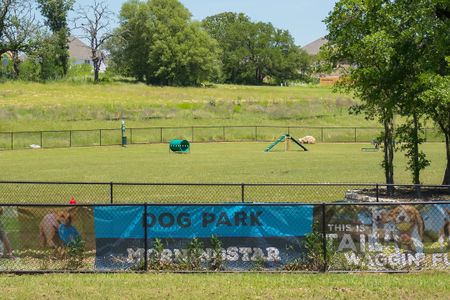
(158, 42)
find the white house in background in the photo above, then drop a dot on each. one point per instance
(80, 53)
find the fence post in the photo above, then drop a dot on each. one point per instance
(12, 140)
(355, 134)
(289, 130)
(192, 133)
(378, 193)
(242, 192)
(70, 138)
(324, 239)
(100, 135)
(256, 133)
(131, 136)
(42, 144)
(111, 193)
(321, 134)
(223, 130)
(161, 135)
(145, 239)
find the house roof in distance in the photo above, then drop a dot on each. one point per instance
(79, 50)
(313, 48)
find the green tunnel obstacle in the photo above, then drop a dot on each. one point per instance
(179, 146)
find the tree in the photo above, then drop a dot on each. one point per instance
(94, 21)
(231, 30)
(5, 7)
(130, 44)
(389, 45)
(157, 42)
(252, 52)
(55, 12)
(355, 38)
(437, 99)
(435, 77)
(181, 52)
(20, 32)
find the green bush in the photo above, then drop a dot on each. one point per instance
(29, 70)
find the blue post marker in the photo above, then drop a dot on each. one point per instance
(123, 130)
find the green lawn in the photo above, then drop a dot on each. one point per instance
(212, 163)
(228, 286)
(207, 163)
(63, 105)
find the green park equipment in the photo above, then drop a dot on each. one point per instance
(179, 146)
(286, 138)
(123, 131)
(376, 147)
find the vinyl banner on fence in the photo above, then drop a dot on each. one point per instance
(388, 237)
(243, 237)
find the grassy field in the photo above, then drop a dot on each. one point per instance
(63, 105)
(210, 163)
(207, 163)
(228, 286)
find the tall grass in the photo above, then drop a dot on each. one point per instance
(75, 105)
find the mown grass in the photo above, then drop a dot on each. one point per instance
(207, 163)
(228, 286)
(65, 105)
(213, 162)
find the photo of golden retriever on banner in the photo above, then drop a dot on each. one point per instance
(55, 228)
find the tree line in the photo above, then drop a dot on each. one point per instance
(156, 42)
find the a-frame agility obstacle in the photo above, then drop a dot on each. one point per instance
(286, 138)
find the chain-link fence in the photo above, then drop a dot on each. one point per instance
(382, 237)
(125, 193)
(108, 137)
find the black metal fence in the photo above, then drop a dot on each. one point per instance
(108, 137)
(382, 237)
(21, 192)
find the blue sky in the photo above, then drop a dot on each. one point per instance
(303, 18)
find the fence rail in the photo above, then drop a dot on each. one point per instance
(22, 192)
(109, 137)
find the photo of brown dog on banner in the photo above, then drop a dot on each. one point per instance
(56, 230)
(407, 228)
(444, 233)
